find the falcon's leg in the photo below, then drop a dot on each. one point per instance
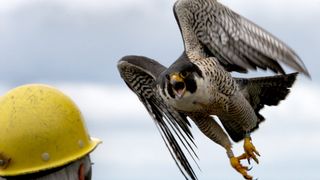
(213, 131)
(249, 150)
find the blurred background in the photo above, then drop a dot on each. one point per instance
(74, 45)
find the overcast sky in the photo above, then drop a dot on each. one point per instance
(79, 40)
(75, 45)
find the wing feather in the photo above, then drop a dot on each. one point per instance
(237, 43)
(140, 74)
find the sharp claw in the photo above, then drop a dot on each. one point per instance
(247, 177)
(235, 162)
(249, 161)
(255, 151)
(250, 151)
(255, 159)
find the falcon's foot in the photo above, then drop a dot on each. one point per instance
(250, 151)
(235, 163)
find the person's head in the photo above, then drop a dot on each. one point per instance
(43, 136)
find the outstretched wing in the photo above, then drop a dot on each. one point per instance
(236, 42)
(140, 75)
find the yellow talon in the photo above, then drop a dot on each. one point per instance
(235, 163)
(250, 151)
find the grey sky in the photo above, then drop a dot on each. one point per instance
(69, 41)
(75, 45)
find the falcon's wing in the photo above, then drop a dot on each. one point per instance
(236, 42)
(140, 75)
(266, 90)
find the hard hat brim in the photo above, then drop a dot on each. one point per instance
(94, 142)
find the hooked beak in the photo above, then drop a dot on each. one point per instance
(178, 85)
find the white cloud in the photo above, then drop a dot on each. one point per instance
(245, 6)
(82, 5)
(274, 5)
(8, 5)
(103, 102)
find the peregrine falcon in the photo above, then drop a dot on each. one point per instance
(199, 84)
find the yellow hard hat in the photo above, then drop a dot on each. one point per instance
(40, 129)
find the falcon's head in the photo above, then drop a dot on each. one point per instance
(181, 79)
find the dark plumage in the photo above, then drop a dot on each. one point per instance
(199, 84)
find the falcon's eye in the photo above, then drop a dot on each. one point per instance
(184, 74)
